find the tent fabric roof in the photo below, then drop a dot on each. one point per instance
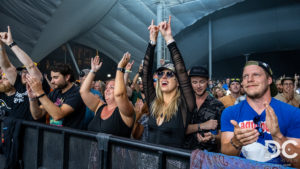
(111, 26)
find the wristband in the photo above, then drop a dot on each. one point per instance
(12, 44)
(91, 71)
(121, 69)
(199, 129)
(41, 95)
(32, 99)
(235, 146)
(152, 42)
(170, 41)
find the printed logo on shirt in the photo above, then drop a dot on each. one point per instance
(252, 125)
(19, 97)
(59, 102)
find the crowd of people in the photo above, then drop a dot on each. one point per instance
(170, 106)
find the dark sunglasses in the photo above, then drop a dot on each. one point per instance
(169, 74)
(154, 80)
(257, 121)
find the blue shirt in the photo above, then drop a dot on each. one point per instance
(288, 120)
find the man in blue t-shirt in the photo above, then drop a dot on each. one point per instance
(261, 128)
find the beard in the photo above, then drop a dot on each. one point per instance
(62, 86)
(258, 94)
(5, 88)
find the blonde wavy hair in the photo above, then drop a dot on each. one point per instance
(157, 106)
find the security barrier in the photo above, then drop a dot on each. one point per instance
(50, 147)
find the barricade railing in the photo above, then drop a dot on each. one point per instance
(47, 147)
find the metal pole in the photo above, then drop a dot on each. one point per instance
(159, 44)
(210, 48)
(72, 57)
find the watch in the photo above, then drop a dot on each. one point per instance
(12, 44)
(199, 129)
(121, 69)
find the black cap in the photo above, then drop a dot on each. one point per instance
(267, 69)
(198, 71)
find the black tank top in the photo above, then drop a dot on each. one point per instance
(113, 125)
(169, 133)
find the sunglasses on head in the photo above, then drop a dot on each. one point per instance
(235, 80)
(169, 74)
(257, 121)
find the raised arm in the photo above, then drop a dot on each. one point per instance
(184, 81)
(90, 100)
(127, 71)
(6, 66)
(21, 55)
(120, 94)
(148, 86)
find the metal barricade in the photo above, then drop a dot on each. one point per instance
(50, 147)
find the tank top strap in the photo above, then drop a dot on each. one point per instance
(100, 109)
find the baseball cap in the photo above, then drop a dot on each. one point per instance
(267, 69)
(169, 66)
(198, 71)
(234, 80)
(84, 72)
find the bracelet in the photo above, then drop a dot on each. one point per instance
(32, 99)
(128, 71)
(152, 42)
(12, 44)
(235, 146)
(199, 129)
(41, 95)
(92, 71)
(121, 69)
(170, 41)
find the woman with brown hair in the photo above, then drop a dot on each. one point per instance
(116, 116)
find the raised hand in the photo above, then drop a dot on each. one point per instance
(6, 37)
(165, 30)
(296, 77)
(272, 122)
(124, 61)
(95, 63)
(30, 93)
(153, 30)
(129, 65)
(35, 85)
(162, 61)
(243, 136)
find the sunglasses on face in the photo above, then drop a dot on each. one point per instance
(169, 74)
(257, 121)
